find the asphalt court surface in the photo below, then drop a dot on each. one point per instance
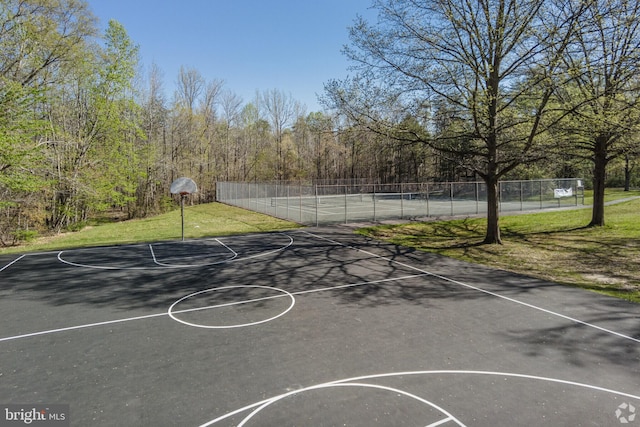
(312, 327)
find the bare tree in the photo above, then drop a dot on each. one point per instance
(190, 85)
(231, 108)
(280, 109)
(211, 97)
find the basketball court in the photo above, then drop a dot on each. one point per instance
(313, 327)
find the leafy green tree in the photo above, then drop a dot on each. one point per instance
(118, 118)
(94, 126)
(470, 58)
(21, 164)
(20, 126)
(37, 36)
(602, 103)
(37, 39)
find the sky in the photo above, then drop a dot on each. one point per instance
(294, 46)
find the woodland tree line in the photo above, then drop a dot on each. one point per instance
(85, 129)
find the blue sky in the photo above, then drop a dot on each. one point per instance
(290, 45)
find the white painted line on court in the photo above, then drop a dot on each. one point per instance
(168, 266)
(352, 285)
(235, 254)
(349, 384)
(439, 423)
(155, 260)
(256, 407)
(28, 254)
(12, 262)
(490, 373)
(285, 294)
(535, 307)
(89, 325)
(171, 313)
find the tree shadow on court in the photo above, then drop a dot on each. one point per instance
(583, 345)
(431, 276)
(577, 343)
(311, 265)
(43, 278)
(340, 269)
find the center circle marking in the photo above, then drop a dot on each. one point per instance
(172, 309)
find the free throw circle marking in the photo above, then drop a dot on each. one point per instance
(280, 293)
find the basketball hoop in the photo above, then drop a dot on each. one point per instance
(183, 186)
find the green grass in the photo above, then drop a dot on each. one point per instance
(552, 245)
(212, 219)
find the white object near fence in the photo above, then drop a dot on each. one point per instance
(562, 192)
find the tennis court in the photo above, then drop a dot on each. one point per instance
(324, 205)
(313, 327)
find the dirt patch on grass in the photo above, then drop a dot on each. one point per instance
(605, 279)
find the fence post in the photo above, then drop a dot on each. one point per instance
(427, 197)
(374, 203)
(345, 204)
(276, 199)
(401, 201)
(316, 191)
(451, 196)
(540, 193)
(235, 187)
(477, 198)
(521, 196)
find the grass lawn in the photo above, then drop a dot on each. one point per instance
(211, 219)
(552, 245)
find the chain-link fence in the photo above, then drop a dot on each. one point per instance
(313, 204)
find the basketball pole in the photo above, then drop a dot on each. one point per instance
(182, 196)
(183, 186)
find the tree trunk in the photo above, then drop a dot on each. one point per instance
(627, 174)
(493, 216)
(599, 176)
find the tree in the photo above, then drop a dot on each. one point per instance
(186, 127)
(21, 160)
(602, 103)
(488, 63)
(36, 39)
(254, 131)
(190, 85)
(208, 151)
(230, 105)
(154, 122)
(280, 109)
(121, 128)
(37, 36)
(94, 124)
